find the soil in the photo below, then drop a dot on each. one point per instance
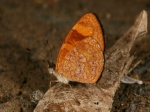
(27, 24)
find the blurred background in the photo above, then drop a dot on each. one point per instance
(28, 23)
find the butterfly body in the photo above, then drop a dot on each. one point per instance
(59, 76)
(81, 58)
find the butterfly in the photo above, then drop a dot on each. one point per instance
(80, 58)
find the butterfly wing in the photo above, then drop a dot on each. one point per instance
(81, 55)
(83, 63)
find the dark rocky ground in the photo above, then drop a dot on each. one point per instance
(28, 23)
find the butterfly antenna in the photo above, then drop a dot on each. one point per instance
(50, 62)
(29, 50)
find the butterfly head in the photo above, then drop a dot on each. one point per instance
(60, 77)
(51, 67)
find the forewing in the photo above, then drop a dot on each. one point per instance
(87, 26)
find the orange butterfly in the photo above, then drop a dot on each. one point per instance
(81, 57)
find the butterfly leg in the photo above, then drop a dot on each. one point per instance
(73, 91)
(50, 83)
